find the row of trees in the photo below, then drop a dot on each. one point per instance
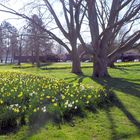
(28, 41)
(104, 19)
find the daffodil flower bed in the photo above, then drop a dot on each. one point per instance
(22, 95)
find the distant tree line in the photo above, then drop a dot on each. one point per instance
(29, 43)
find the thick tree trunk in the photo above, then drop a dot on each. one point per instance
(100, 67)
(111, 61)
(113, 57)
(111, 64)
(100, 63)
(76, 65)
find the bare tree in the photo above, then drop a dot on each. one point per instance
(36, 32)
(73, 18)
(38, 42)
(106, 18)
(1, 44)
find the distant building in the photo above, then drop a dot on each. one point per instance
(6, 59)
(47, 58)
(131, 55)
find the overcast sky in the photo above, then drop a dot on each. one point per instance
(19, 4)
(14, 20)
(19, 22)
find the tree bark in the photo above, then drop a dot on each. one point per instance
(37, 55)
(32, 57)
(100, 62)
(111, 64)
(7, 53)
(20, 52)
(76, 65)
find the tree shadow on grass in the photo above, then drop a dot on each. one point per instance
(3, 64)
(78, 78)
(127, 69)
(43, 119)
(129, 65)
(23, 67)
(128, 114)
(114, 133)
(38, 122)
(120, 84)
(72, 79)
(125, 86)
(123, 69)
(112, 124)
(42, 66)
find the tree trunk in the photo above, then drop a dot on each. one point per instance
(7, 53)
(32, 57)
(37, 58)
(111, 64)
(11, 60)
(113, 57)
(76, 65)
(100, 63)
(37, 49)
(20, 51)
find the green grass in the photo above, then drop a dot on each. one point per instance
(121, 121)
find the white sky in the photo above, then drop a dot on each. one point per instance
(18, 5)
(13, 19)
(19, 22)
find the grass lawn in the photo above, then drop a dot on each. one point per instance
(121, 121)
